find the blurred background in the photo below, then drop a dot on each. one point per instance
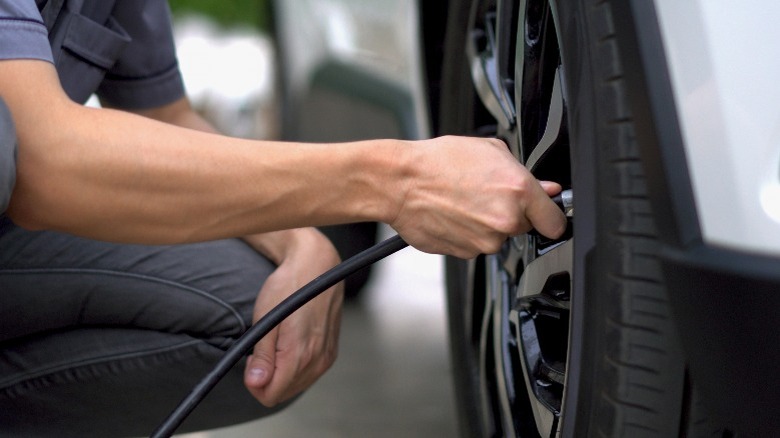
(392, 377)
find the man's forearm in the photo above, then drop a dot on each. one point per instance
(275, 245)
(111, 175)
(127, 178)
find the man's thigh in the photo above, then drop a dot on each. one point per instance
(96, 335)
(50, 281)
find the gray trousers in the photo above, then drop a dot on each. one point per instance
(99, 339)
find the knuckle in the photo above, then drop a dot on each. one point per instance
(499, 143)
(306, 357)
(522, 185)
(263, 356)
(491, 245)
(504, 224)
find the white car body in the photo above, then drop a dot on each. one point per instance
(724, 65)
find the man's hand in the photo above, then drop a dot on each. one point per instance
(297, 352)
(468, 195)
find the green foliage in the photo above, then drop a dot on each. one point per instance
(254, 13)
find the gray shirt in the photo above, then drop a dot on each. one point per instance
(7, 156)
(121, 50)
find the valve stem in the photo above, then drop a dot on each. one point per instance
(565, 201)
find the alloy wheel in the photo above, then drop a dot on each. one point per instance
(522, 340)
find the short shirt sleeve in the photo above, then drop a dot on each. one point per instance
(147, 73)
(22, 32)
(7, 156)
(22, 36)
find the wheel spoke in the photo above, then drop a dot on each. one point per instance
(535, 65)
(518, 250)
(553, 127)
(487, 44)
(502, 353)
(545, 416)
(468, 304)
(540, 275)
(486, 345)
(540, 324)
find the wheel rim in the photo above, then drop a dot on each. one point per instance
(522, 336)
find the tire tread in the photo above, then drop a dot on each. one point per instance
(641, 350)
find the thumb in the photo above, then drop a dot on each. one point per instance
(260, 365)
(551, 188)
(544, 215)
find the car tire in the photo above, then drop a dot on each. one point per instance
(587, 345)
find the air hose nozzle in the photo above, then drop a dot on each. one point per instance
(564, 201)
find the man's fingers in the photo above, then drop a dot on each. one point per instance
(551, 188)
(288, 380)
(260, 365)
(544, 215)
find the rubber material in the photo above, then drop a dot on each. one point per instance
(656, 125)
(271, 320)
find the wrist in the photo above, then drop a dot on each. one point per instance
(276, 245)
(389, 168)
(279, 245)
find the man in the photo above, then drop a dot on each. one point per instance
(104, 338)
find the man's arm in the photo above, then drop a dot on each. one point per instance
(111, 175)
